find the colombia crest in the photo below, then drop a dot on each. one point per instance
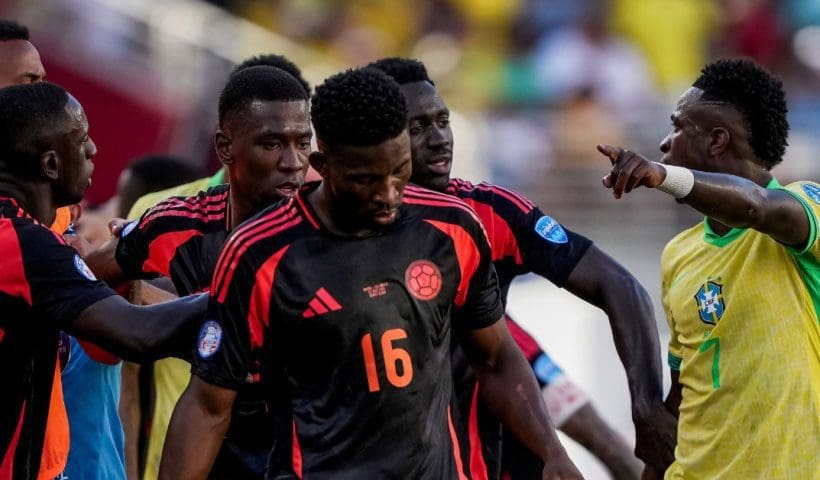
(423, 279)
(710, 302)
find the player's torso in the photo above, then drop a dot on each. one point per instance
(749, 334)
(367, 329)
(192, 266)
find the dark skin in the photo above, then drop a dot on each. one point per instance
(370, 181)
(265, 148)
(20, 63)
(597, 279)
(711, 139)
(64, 169)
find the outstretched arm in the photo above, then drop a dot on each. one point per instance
(141, 333)
(104, 264)
(197, 427)
(601, 281)
(731, 200)
(510, 391)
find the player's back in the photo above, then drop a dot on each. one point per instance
(746, 341)
(359, 330)
(44, 285)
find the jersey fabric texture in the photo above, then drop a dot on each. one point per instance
(44, 286)
(357, 331)
(523, 240)
(92, 395)
(743, 314)
(181, 238)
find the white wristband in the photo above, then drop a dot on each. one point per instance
(679, 181)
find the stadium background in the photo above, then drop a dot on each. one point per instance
(534, 85)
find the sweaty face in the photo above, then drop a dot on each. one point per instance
(74, 149)
(431, 139)
(367, 183)
(687, 144)
(19, 63)
(269, 149)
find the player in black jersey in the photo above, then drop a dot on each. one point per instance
(45, 287)
(343, 297)
(264, 141)
(524, 240)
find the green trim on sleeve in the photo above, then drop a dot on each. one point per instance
(812, 224)
(809, 268)
(674, 361)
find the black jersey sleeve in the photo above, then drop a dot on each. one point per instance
(548, 248)
(61, 284)
(483, 303)
(133, 249)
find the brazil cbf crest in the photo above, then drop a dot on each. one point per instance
(550, 230)
(711, 304)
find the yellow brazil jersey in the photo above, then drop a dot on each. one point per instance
(743, 312)
(171, 375)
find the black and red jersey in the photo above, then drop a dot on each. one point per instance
(523, 240)
(356, 331)
(179, 238)
(44, 286)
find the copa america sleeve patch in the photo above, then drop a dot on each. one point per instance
(210, 339)
(550, 230)
(83, 269)
(128, 229)
(813, 191)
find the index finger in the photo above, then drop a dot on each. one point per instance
(612, 152)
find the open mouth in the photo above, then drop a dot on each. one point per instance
(385, 217)
(287, 189)
(440, 164)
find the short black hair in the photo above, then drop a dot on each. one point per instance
(278, 61)
(264, 83)
(758, 96)
(10, 30)
(403, 70)
(359, 107)
(30, 117)
(161, 171)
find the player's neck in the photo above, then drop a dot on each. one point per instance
(240, 209)
(321, 203)
(35, 199)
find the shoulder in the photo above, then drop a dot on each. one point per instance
(147, 201)
(206, 206)
(274, 224)
(431, 205)
(681, 245)
(806, 190)
(500, 198)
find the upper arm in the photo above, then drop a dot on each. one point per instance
(483, 345)
(594, 272)
(787, 217)
(212, 399)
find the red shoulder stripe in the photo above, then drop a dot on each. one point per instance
(467, 255)
(200, 215)
(478, 467)
(307, 212)
(259, 310)
(528, 345)
(162, 250)
(243, 232)
(518, 200)
(13, 280)
(436, 199)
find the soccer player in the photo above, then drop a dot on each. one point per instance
(741, 289)
(264, 141)
(523, 239)
(342, 298)
(45, 287)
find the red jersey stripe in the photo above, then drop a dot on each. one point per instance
(318, 306)
(222, 289)
(502, 240)
(412, 200)
(297, 453)
(467, 255)
(198, 215)
(478, 467)
(529, 347)
(239, 237)
(307, 212)
(259, 311)
(522, 203)
(328, 300)
(13, 279)
(162, 250)
(456, 450)
(7, 467)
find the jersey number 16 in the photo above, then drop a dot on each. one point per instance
(395, 359)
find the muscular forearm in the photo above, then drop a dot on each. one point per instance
(104, 265)
(731, 200)
(140, 334)
(509, 389)
(193, 440)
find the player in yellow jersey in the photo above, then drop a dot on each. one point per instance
(741, 290)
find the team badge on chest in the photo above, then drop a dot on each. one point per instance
(711, 304)
(423, 279)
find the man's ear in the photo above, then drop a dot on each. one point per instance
(50, 165)
(222, 144)
(318, 160)
(719, 139)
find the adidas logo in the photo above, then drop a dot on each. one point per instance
(322, 303)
